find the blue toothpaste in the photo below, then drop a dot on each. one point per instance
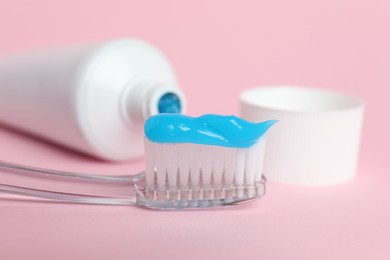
(227, 131)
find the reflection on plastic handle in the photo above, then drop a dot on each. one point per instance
(59, 177)
(67, 197)
(71, 175)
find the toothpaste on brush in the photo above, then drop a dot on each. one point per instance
(211, 160)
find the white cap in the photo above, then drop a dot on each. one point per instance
(316, 140)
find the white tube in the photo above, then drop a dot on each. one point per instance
(93, 99)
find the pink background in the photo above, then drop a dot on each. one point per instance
(217, 48)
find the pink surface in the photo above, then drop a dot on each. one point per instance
(217, 47)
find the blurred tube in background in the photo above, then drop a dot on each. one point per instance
(92, 99)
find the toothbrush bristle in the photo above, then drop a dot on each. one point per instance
(193, 175)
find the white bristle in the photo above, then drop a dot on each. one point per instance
(184, 170)
(230, 168)
(260, 147)
(218, 168)
(193, 172)
(240, 170)
(150, 161)
(171, 155)
(207, 161)
(195, 166)
(161, 169)
(250, 170)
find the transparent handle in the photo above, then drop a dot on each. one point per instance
(67, 186)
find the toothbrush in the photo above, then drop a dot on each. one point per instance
(202, 162)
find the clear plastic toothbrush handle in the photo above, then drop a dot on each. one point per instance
(67, 186)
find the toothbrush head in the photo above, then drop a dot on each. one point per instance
(200, 176)
(188, 166)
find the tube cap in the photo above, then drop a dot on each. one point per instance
(316, 140)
